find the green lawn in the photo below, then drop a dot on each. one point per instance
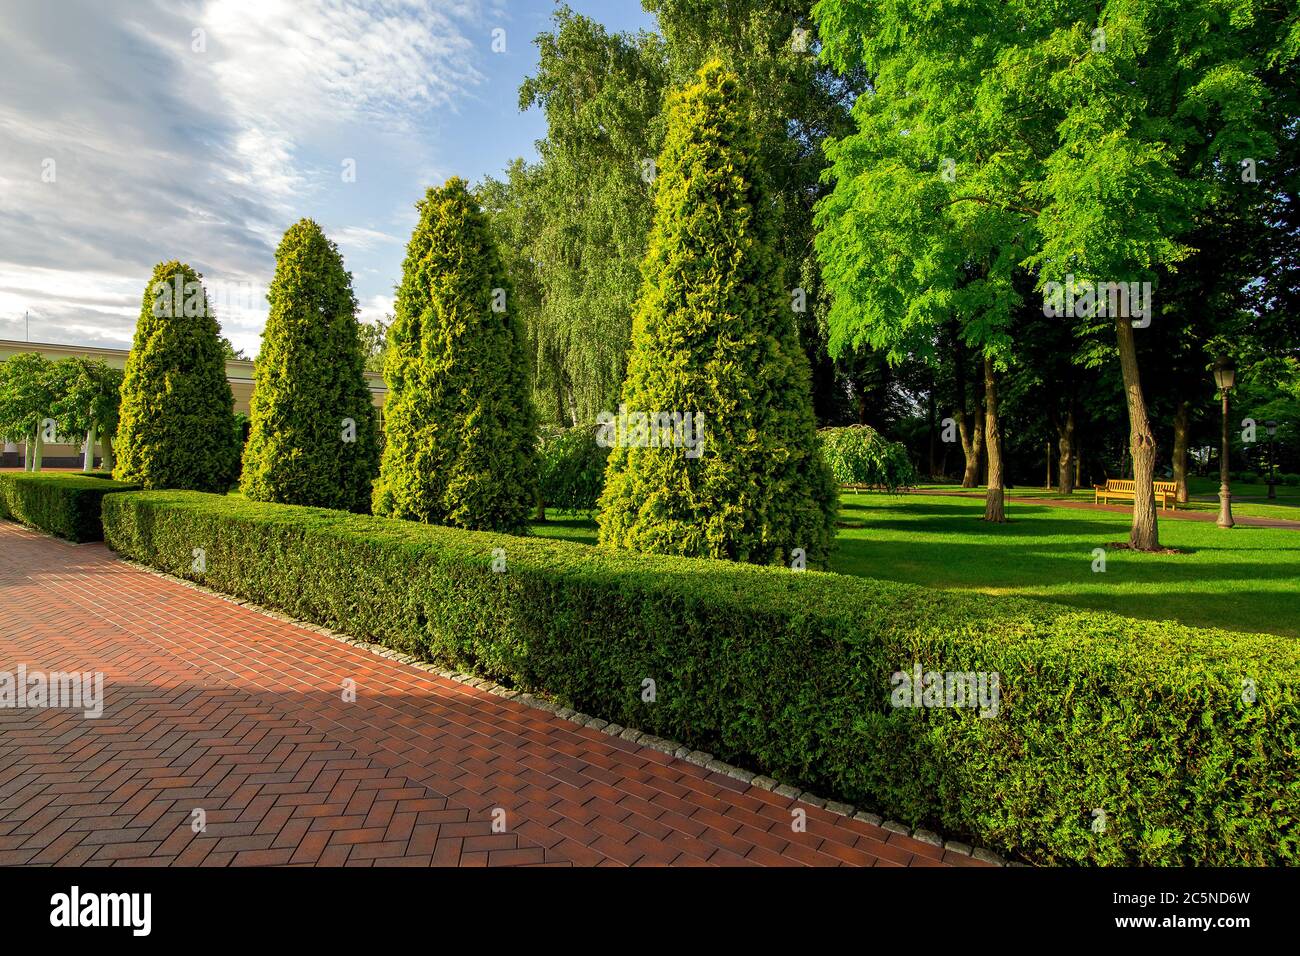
(1248, 501)
(1244, 579)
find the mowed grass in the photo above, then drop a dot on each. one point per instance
(1243, 579)
(1248, 501)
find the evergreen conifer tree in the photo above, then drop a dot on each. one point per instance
(313, 434)
(176, 425)
(459, 425)
(714, 336)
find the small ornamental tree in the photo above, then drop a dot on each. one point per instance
(459, 425)
(89, 394)
(313, 435)
(860, 455)
(28, 393)
(714, 337)
(176, 419)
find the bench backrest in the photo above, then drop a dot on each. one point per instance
(1127, 484)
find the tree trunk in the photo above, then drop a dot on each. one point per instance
(1144, 535)
(88, 460)
(39, 451)
(981, 431)
(1068, 469)
(972, 446)
(573, 409)
(1182, 426)
(27, 454)
(978, 445)
(933, 415)
(1047, 483)
(994, 509)
(969, 426)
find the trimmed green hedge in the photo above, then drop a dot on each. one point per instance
(64, 504)
(790, 674)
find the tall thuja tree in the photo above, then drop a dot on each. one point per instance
(313, 435)
(459, 423)
(1079, 141)
(772, 46)
(176, 427)
(713, 337)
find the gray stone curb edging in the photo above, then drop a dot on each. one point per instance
(697, 757)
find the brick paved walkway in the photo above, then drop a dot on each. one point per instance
(215, 706)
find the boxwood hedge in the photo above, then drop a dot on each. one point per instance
(64, 504)
(1117, 741)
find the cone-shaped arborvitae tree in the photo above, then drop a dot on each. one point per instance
(714, 337)
(313, 434)
(176, 427)
(459, 425)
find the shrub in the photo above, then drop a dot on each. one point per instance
(714, 336)
(459, 426)
(860, 455)
(571, 469)
(1248, 478)
(1290, 478)
(175, 426)
(312, 437)
(63, 504)
(791, 674)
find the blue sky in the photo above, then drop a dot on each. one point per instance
(135, 131)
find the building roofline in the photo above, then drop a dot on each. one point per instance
(375, 379)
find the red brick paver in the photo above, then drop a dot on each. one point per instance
(213, 706)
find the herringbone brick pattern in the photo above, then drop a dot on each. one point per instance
(216, 707)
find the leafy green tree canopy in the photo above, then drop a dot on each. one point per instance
(28, 393)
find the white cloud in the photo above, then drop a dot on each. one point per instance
(165, 152)
(375, 308)
(360, 237)
(292, 72)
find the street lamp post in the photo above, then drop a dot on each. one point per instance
(1225, 375)
(1271, 428)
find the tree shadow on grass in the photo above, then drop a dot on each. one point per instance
(1155, 587)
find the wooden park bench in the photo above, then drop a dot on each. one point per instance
(1122, 488)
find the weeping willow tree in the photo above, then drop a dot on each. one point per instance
(574, 226)
(577, 220)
